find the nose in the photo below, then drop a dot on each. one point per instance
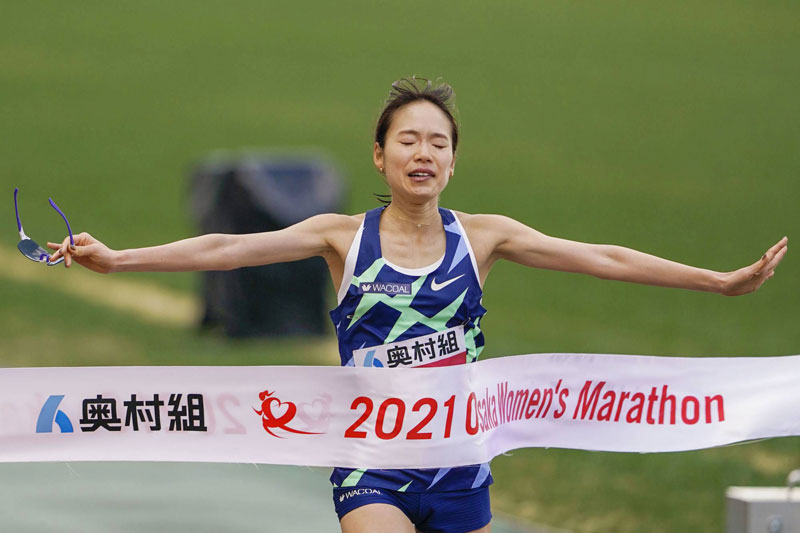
(423, 153)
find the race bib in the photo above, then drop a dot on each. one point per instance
(445, 348)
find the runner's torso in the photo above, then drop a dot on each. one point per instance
(394, 317)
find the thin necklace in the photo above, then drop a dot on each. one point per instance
(417, 224)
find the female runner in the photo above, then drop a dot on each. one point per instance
(408, 277)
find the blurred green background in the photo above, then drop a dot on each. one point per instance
(671, 128)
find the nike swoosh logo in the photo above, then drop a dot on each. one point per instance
(439, 286)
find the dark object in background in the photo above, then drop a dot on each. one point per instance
(253, 192)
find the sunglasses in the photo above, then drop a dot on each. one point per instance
(30, 248)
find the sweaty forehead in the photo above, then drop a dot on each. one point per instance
(423, 117)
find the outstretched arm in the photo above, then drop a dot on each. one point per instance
(505, 238)
(308, 238)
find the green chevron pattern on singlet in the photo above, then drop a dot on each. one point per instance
(469, 337)
(354, 477)
(402, 304)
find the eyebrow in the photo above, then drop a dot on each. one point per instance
(415, 132)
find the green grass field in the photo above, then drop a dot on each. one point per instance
(670, 128)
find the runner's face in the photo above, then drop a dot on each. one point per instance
(417, 156)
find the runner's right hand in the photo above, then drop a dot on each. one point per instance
(87, 252)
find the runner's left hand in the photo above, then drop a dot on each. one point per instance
(750, 278)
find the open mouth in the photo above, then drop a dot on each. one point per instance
(421, 174)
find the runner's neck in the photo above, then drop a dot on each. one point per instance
(418, 217)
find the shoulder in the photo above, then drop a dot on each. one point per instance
(485, 224)
(330, 224)
(337, 230)
(492, 236)
(339, 219)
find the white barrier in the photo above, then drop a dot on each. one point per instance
(395, 418)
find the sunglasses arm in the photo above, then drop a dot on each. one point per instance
(22, 235)
(69, 229)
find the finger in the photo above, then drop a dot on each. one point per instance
(64, 246)
(54, 246)
(769, 271)
(762, 265)
(65, 252)
(74, 252)
(778, 246)
(775, 260)
(83, 239)
(758, 267)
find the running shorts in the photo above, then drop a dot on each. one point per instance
(457, 511)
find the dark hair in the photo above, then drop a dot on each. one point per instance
(408, 90)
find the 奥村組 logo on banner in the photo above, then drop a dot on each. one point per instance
(184, 412)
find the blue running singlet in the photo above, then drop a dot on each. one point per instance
(394, 317)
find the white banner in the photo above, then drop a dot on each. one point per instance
(381, 418)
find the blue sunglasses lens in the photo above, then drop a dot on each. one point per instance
(34, 252)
